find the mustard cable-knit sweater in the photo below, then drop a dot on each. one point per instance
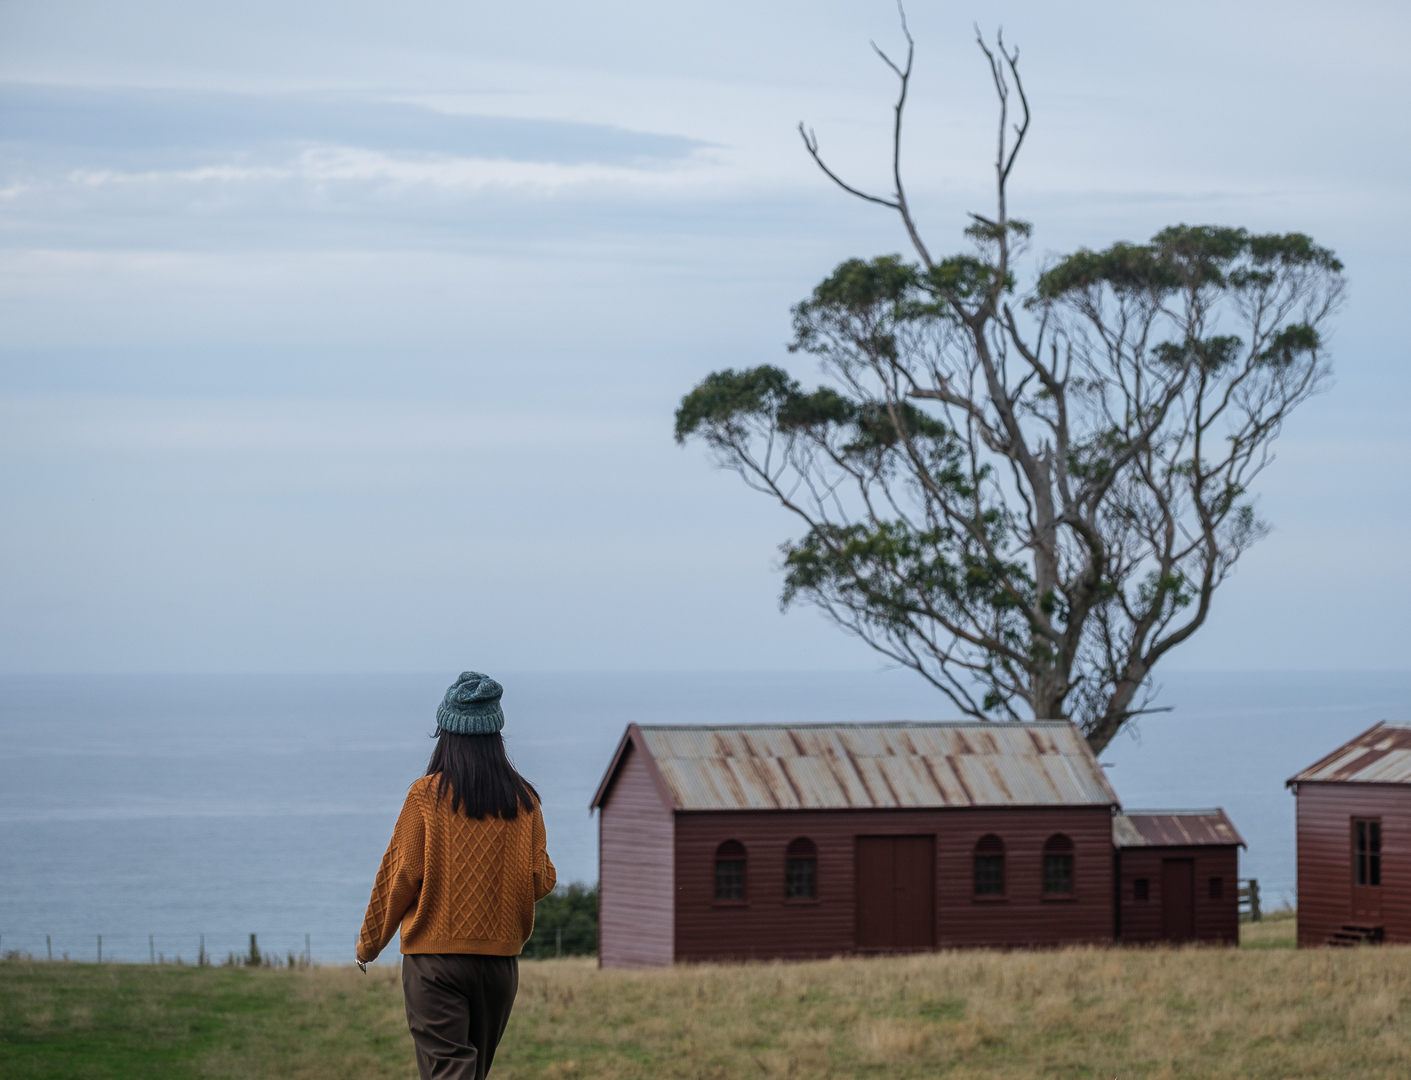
(457, 885)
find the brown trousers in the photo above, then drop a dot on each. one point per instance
(457, 1009)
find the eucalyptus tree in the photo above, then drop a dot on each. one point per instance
(1028, 495)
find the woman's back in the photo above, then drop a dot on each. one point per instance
(473, 882)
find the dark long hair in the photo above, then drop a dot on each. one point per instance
(476, 772)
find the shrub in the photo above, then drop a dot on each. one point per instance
(570, 910)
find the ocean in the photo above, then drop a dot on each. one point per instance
(157, 809)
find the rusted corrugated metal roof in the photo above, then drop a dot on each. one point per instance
(859, 766)
(1380, 755)
(1174, 828)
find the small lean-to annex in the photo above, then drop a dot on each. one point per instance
(1354, 841)
(763, 841)
(1177, 876)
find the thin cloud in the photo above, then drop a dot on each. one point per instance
(127, 128)
(338, 164)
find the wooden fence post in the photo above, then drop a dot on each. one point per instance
(1249, 895)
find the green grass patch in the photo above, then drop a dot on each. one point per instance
(137, 1022)
(1277, 930)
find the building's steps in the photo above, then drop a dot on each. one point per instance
(1351, 934)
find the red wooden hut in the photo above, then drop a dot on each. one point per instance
(1177, 876)
(1354, 841)
(762, 841)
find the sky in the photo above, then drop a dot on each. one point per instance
(347, 336)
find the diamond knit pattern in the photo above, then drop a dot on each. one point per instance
(457, 885)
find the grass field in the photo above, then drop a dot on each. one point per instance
(1261, 1011)
(1278, 930)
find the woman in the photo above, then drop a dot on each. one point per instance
(466, 864)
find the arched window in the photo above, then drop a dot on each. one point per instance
(989, 866)
(730, 871)
(1058, 866)
(800, 870)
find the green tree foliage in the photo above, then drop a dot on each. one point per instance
(569, 915)
(1029, 496)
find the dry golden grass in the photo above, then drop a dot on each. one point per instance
(1132, 1013)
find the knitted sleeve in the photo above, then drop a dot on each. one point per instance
(545, 876)
(398, 878)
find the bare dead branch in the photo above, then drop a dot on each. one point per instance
(898, 200)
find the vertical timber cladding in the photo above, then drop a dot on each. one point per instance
(769, 925)
(1326, 869)
(634, 869)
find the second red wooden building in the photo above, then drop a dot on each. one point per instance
(1177, 876)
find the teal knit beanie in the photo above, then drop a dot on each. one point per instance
(472, 706)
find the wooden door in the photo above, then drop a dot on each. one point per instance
(1178, 899)
(1366, 869)
(875, 859)
(896, 892)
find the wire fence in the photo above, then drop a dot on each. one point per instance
(176, 949)
(565, 924)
